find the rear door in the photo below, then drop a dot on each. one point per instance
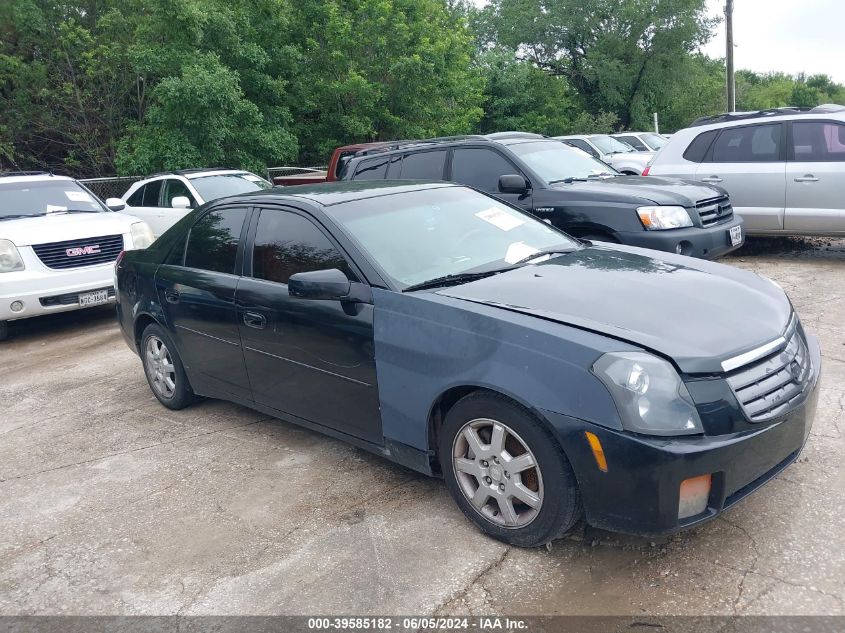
(196, 289)
(815, 178)
(750, 162)
(481, 167)
(310, 358)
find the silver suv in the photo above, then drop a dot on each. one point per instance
(784, 168)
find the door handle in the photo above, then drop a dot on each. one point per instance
(807, 178)
(255, 320)
(711, 179)
(172, 296)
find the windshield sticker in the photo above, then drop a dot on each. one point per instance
(500, 218)
(78, 196)
(518, 251)
(52, 208)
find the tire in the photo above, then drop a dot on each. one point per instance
(4, 330)
(482, 474)
(163, 369)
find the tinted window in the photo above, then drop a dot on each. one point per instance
(373, 169)
(480, 168)
(286, 243)
(213, 241)
(151, 193)
(174, 188)
(395, 167)
(697, 150)
(424, 165)
(137, 198)
(634, 142)
(752, 144)
(815, 141)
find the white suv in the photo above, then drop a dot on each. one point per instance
(621, 156)
(58, 245)
(164, 199)
(784, 168)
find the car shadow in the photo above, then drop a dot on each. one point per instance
(60, 324)
(829, 248)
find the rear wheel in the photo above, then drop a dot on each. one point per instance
(163, 368)
(506, 472)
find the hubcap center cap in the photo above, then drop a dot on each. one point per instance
(495, 472)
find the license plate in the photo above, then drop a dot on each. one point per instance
(94, 298)
(736, 235)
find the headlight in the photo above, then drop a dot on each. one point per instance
(10, 258)
(142, 235)
(650, 396)
(660, 218)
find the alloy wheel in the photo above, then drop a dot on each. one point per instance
(160, 367)
(497, 473)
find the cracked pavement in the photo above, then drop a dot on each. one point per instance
(111, 504)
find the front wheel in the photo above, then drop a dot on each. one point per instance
(163, 368)
(506, 472)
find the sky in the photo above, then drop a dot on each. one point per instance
(785, 35)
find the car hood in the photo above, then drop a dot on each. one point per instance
(696, 313)
(641, 158)
(59, 227)
(645, 190)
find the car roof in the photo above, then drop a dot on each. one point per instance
(789, 111)
(30, 176)
(331, 193)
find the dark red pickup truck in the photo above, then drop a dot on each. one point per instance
(338, 161)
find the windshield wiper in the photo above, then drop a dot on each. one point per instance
(568, 180)
(545, 251)
(460, 278)
(21, 215)
(76, 211)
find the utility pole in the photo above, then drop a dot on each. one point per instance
(729, 54)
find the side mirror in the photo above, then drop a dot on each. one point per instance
(180, 202)
(330, 284)
(513, 183)
(115, 204)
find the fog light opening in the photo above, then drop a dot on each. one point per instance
(598, 451)
(16, 306)
(684, 248)
(694, 495)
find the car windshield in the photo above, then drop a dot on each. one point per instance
(554, 161)
(428, 234)
(610, 145)
(32, 198)
(654, 141)
(222, 185)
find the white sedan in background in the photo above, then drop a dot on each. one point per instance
(164, 199)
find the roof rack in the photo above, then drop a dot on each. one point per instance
(5, 174)
(770, 112)
(394, 145)
(497, 136)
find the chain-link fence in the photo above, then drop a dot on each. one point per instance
(110, 187)
(273, 172)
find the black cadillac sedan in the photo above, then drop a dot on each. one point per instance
(542, 377)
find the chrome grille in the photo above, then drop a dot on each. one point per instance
(715, 211)
(773, 385)
(89, 251)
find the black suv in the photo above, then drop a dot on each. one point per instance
(575, 192)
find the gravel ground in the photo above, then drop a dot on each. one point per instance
(111, 504)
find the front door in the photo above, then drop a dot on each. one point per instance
(312, 359)
(481, 168)
(749, 162)
(815, 178)
(197, 293)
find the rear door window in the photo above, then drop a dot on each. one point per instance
(480, 168)
(818, 141)
(751, 144)
(424, 165)
(214, 239)
(373, 169)
(697, 150)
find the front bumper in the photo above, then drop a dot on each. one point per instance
(639, 493)
(705, 243)
(47, 291)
